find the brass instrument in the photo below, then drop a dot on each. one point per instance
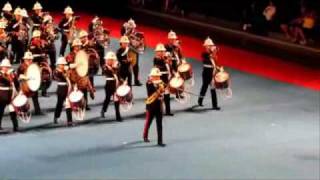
(73, 32)
(156, 94)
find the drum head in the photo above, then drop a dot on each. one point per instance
(184, 67)
(221, 77)
(34, 75)
(82, 62)
(176, 82)
(123, 90)
(20, 100)
(75, 96)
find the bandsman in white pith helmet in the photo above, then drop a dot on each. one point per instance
(110, 71)
(21, 71)
(8, 81)
(125, 72)
(37, 15)
(160, 61)
(60, 75)
(67, 25)
(155, 90)
(174, 49)
(7, 12)
(20, 27)
(209, 65)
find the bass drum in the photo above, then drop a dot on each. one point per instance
(46, 75)
(33, 83)
(176, 85)
(94, 61)
(22, 107)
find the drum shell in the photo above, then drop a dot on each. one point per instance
(23, 109)
(25, 89)
(221, 85)
(77, 105)
(186, 75)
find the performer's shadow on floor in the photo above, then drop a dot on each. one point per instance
(99, 150)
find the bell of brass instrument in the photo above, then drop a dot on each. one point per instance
(155, 95)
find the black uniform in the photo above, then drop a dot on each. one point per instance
(125, 65)
(176, 56)
(161, 64)
(5, 99)
(50, 46)
(154, 110)
(35, 99)
(62, 93)
(110, 89)
(37, 21)
(65, 26)
(207, 75)
(19, 41)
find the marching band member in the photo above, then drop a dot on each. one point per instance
(37, 17)
(38, 49)
(60, 75)
(4, 40)
(8, 81)
(76, 47)
(125, 62)
(110, 71)
(7, 12)
(129, 29)
(209, 68)
(159, 61)
(66, 24)
(19, 39)
(49, 34)
(27, 60)
(173, 47)
(155, 90)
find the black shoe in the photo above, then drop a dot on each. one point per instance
(16, 129)
(161, 145)
(200, 103)
(138, 83)
(88, 108)
(216, 108)
(102, 114)
(70, 124)
(119, 119)
(55, 121)
(146, 140)
(44, 94)
(169, 114)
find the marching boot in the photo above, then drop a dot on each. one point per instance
(167, 103)
(69, 117)
(200, 101)
(13, 117)
(55, 120)
(102, 114)
(214, 100)
(44, 93)
(117, 108)
(137, 83)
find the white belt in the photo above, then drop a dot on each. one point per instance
(5, 88)
(110, 79)
(36, 24)
(207, 66)
(62, 83)
(66, 30)
(38, 55)
(164, 72)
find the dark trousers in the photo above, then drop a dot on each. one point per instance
(62, 93)
(13, 117)
(207, 74)
(52, 55)
(35, 100)
(107, 102)
(135, 69)
(150, 115)
(126, 74)
(64, 43)
(18, 48)
(165, 79)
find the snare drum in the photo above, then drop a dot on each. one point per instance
(124, 94)
(221, 80)
(76, 99)
(20, 104)
(185, 71)
(176, 85)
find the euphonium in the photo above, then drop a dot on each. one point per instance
(155, 95)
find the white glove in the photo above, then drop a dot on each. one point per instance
(72, 66)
